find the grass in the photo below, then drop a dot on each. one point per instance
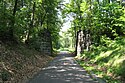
(106, 60)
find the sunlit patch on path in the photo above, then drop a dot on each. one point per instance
(63, 69)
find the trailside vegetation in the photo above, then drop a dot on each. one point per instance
(22, 23)
(24, 20)
(101, 24)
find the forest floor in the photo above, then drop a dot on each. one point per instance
(19, 63)
(63, 69)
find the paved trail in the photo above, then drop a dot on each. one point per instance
(63, 69)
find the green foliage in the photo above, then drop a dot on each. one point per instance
(110, 56)
(31, 16)
(99, 17)
(66, 41)
(105, 21)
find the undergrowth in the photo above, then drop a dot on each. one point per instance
(18, 62)
(106, 60)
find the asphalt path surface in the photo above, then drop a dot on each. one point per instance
(63, 69)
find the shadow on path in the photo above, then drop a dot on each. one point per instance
(63, 69)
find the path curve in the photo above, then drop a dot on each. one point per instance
(63, 69)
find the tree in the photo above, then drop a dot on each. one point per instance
(24, 20)
(96, 18)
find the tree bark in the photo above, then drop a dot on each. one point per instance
(80, 19)
(31, 24)
(77, 35)
(15, 8)
(11, 31)
(43, 19)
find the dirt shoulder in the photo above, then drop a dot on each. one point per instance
(18, 63)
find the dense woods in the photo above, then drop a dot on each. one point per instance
(26, 26)
(98, 28)
(25, 20)
(95, 19)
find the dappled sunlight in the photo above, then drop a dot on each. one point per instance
(68, 74)
(34, 32)
(119, 61)
(63, 52)
(103, 55)
(107, 60)
(64, 69)
(50, 67)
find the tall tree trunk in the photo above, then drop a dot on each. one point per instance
(42, 20)
(31, 24)
(22, 4)
(84, 38)
(76, 49)
(88, 40)
(78, 41)
(11, 31)
(88, 35)
(15, 8)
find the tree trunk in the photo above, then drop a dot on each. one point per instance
(11, 31)
(43, 19)
(77, 35)
(15, 8)
(88, 40)
(79, 31)
(31, 24)
(22, 3)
